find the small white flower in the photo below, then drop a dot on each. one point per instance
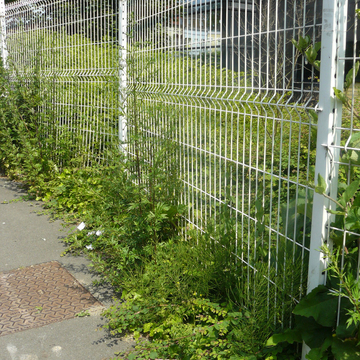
(98, 233)
(90, 233)
(81, 226)
(89, 247)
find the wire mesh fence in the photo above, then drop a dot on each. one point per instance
(242, 92)
(229, 82)
(73, 46)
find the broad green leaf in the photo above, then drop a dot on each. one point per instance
(303, 42)
(349, 75)
(319, 353)
(345, 350)
(295, 43)
(343, 331)
(289, 335)
(317, 46)
(316, 354)
(352, 225)
(320, 305)
(311, 54)
(340, 95)
(312, 333)
(321, 185)
(349, 192)
(353, 220)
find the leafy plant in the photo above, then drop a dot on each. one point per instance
(194, 293)
(168, 306)
(309, 50)
(83, 313)
(328, 318)
(316, 325)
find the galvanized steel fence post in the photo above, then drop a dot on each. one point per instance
(3, 32)
(333, 43)
(328, 135)
(123, 19)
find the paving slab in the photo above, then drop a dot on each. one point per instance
(27, 238)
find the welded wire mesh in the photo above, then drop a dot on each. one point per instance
(73, 47)
(224, 81)
(240, 92)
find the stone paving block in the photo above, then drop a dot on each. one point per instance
(38, 295)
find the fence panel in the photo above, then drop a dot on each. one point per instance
(73, 45)
(228, 82)
(245, 101)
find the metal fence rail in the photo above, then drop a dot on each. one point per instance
(253, 119)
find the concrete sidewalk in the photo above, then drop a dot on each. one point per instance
(28, 238)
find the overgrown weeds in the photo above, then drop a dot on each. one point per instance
(186, 293)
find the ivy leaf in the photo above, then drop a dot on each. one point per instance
(321, 186)
(320, 305)
(341, 96)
